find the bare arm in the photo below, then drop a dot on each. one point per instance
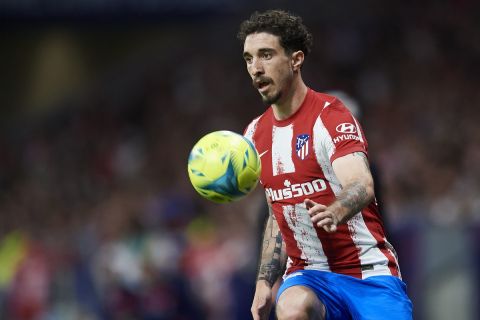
(273, 256)
(353, 173)
(272, 263)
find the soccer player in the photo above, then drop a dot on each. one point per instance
(324, 228)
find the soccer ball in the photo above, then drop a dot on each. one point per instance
(224, 166)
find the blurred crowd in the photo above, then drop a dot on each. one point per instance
(99, 220)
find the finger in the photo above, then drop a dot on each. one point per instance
(309, 203)
(264, 313)
(328, 224)
(313, 206)
(319, 216)
(317, 209)
(259, 312)
(324, 222)
(255, 310)
(330, 228)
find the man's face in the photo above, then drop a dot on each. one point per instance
(268, 65)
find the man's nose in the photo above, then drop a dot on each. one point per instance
(256, 68)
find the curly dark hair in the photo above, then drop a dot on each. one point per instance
(288, 27)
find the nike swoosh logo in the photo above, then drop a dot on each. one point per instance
(261, 154)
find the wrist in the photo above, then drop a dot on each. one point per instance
(339, 211)
(264, 282)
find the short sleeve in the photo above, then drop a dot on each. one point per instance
(344, 134)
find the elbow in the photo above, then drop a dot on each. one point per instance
(369, 190)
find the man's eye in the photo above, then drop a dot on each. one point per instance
(267, 55)
(248, 60)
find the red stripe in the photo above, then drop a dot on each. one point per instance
(293, 250)
(297, 264)
(341, 252)
(375, 226)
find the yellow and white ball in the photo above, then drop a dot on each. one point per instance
(224, 166)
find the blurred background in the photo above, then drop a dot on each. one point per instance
(101, 101)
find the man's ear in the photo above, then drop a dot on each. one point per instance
(297, 60)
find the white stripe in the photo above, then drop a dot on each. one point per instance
(304, 232)
(394, 255)
(324, 149)
(326, 104)
(361, 236)
(369, 253)
(289, 265)
(282, 161)
(251, 129)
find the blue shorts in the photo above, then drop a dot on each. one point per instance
(346, 297)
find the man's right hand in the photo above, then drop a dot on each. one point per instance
(262, 302)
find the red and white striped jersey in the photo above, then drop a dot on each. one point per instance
(297, 155)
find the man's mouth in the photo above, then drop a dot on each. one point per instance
(262, 84)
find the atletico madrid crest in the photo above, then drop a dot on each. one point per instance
(302, 146)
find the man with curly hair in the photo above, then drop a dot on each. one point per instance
(323, 228)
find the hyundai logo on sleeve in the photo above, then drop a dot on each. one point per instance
(346, 128)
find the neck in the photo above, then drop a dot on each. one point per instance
(292, 100)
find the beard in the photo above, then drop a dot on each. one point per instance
(269, 100)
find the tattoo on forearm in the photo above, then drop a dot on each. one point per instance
(354, 197)
(266, 244)
(270, 266)
(271, 261)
